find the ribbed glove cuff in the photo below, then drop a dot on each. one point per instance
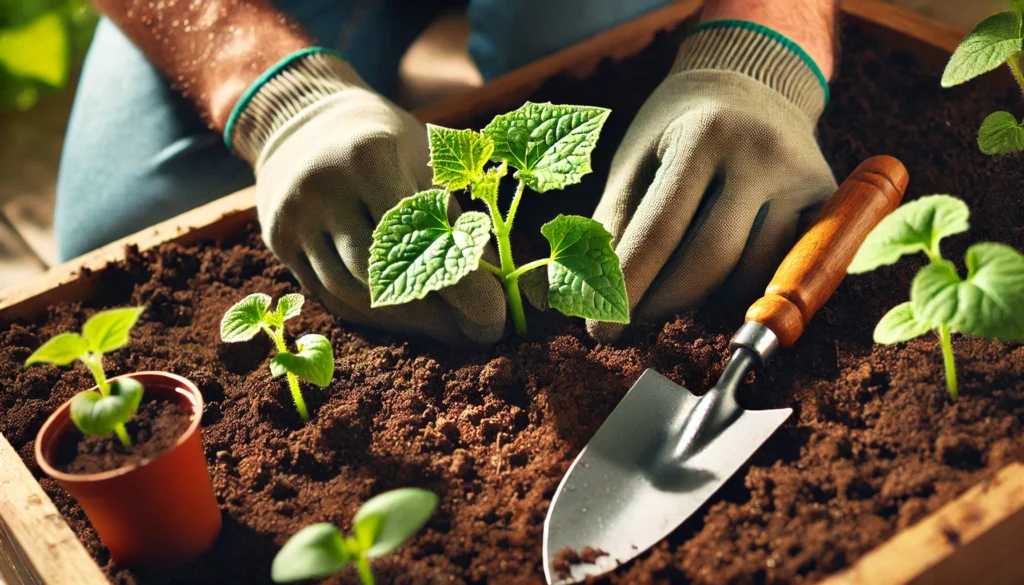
(759, 52)
(297, 82)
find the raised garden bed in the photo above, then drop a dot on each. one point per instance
(874, 447)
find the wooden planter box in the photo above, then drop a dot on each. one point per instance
(976, 538)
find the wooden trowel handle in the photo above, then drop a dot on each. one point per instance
(816, 265)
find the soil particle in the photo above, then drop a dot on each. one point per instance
(874, 444)
(566, 558)
(153, 429)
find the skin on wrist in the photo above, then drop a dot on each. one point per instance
(210, 51)
(808, 23)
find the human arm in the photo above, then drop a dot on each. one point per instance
(210, 51)
(811, 24)
(713, 176)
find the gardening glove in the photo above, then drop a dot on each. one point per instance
(331, 158)
(712, 177)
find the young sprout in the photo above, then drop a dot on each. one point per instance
(106, 410)
(416, 249)
(996, 40)
(314, 360)
(380, 526)
(989, 303)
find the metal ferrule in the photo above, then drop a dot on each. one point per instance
(758, 339)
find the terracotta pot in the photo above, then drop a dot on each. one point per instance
(162, 511)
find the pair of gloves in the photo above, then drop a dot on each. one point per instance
(705, 192)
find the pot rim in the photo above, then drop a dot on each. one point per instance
(194, 395)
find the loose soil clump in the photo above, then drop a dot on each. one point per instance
(154, 429)
(874, 445)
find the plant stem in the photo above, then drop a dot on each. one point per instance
(293, 382)
(122, 434)
(300, 403)
(365, 572)
(95, 364)
(947, 355)
(515, 303)
(529, 266)
(1014, 61)
(492, 268)
(508, 265)
(515, 205)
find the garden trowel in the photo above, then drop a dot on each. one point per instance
(663, 452)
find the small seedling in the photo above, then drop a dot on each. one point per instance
(417, 250)
(104, 411)
(314, 360)
(989, 303)
(996, 40)
(380, 526)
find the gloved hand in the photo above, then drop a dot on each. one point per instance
(331, 157)
(708, 186)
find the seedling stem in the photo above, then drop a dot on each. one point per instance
(293, 382)
(947, 355)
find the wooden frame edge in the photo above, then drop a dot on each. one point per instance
(974, 538)
(56, 556)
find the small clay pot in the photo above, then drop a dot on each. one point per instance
(162, 511)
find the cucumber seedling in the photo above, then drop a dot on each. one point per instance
(417, 250)
(988, 303)
(106, 409)
(996, 40)
(314, 360)
(380, 526)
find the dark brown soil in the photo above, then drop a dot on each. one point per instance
(154, 428)
(875, 443)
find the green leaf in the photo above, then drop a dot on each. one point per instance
(899, 325)
(584, 277)
(315, 552)
(38, 50)
(367, 529)
(415, 250)
(313, 363)
(486, 187)
(108, 330)
(987, 304)
(60, 351)
(917, 226)
(392, 517)
(458, 156)
(1017, 5)
(290, 305)
(242, 321)
(988, 46)
(95, 414)
(549, 144)
(534, 285)
(1000, 134)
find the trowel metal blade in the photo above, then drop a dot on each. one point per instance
(621, 495)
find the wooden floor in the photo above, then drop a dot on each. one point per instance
(436, 66)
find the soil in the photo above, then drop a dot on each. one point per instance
(153, 429)
(874, 445)
(566, 558)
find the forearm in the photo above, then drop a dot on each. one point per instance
(211, 51)
(808, 23)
